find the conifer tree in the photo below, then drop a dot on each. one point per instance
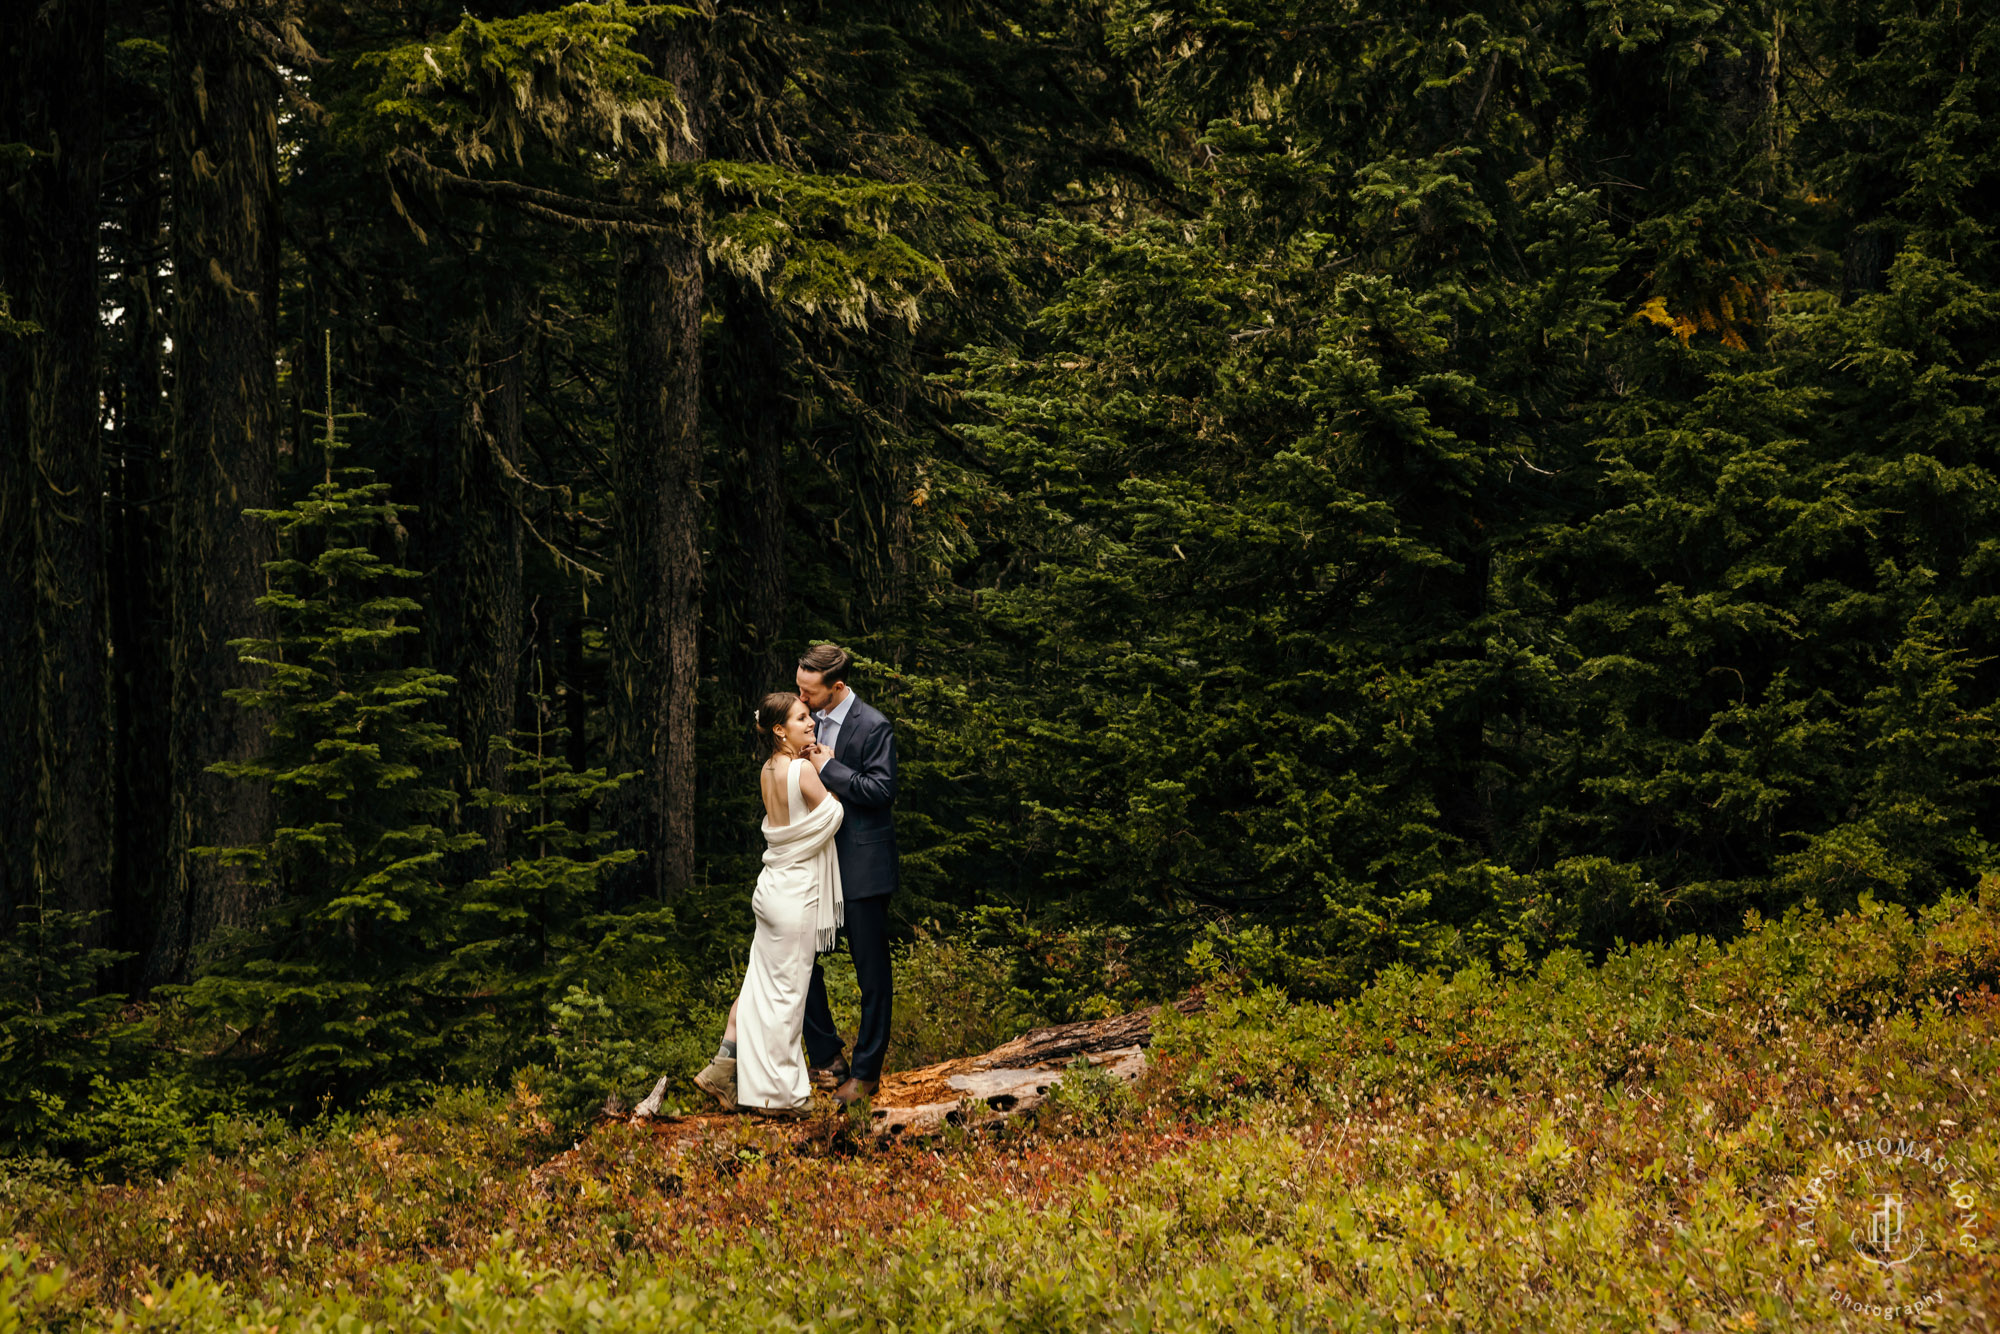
(58, 1031)
(594, 118)
(332, 989)
(54, 744)
(224, 92)
(532, 927)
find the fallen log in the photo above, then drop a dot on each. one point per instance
(1063, 1042)
(985, 1098)
(981, 1092)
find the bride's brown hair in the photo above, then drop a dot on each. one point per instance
(777, 707)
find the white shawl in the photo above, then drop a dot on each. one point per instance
(807, 844)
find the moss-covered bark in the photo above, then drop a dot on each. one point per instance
(656, 567)
(225, 248)
(55, 108)
(478, 615)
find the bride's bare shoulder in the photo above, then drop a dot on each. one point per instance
(811, 786)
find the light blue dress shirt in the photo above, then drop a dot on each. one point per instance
(829, 720)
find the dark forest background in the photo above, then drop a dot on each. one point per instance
(1318, 488)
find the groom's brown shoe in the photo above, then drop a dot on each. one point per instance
(828, 1077)
(854, 1090)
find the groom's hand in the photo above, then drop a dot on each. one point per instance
(819, 755)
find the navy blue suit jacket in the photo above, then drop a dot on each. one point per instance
(862, 773)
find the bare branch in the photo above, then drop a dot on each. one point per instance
(571, 211)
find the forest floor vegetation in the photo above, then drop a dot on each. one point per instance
(1630, 1143)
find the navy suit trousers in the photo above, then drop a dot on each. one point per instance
(866, 926)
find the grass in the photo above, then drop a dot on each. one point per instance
(1632, 1144)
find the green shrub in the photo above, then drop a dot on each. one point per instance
(594, 1056)
(1576, 1149)
(953, 998)
(1087, 1100)
(1241, 1047)
(1567, 1024)
(1061, 972)
(31, 1297)
(141, 1128)
(57, 1034)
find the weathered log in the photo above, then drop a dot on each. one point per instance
(981, 1092)
(1064, 1041)
(988, 1097)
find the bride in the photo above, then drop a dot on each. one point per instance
(798, 908)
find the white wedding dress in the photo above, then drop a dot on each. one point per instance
(798, 908)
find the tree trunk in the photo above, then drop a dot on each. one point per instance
(17, 549)
(575, 692)
(655, 613)
(17, 593)
(757, 409)
(890, 481)
(140, 590)
(55, 54)
(225, 237)
(477, 612)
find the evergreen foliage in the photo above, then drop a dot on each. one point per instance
(587, 1004)
(58, 1033)
(517, 925)
(336, 990)
(378, 968)
(1318, 491)
(1446, 543)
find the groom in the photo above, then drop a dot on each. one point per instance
(862, 773)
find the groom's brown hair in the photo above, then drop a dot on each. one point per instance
(829, 660)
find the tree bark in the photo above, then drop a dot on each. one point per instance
(225, 244)
(17, 601)
(656, 576)
(140, 590)
(55, 108)
(18, 728)
(752, 596)
(893, 524)
(478, 610)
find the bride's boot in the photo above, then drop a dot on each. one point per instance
(718, 1080)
